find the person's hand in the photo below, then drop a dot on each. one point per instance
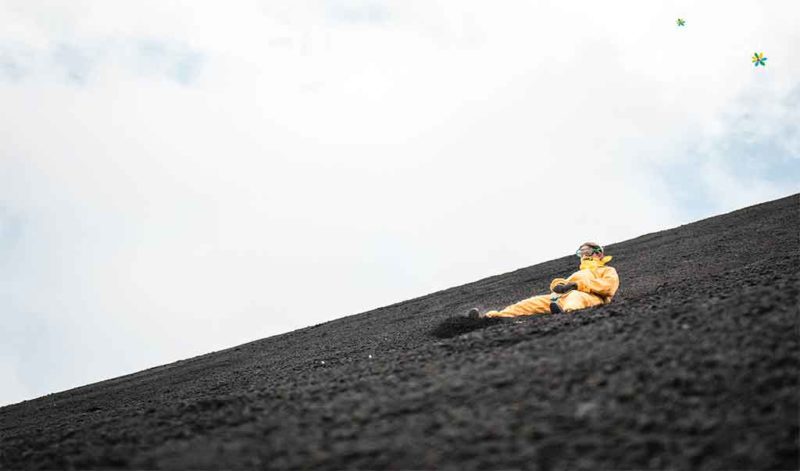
(565, 288)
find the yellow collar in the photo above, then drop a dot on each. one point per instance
(592, 263)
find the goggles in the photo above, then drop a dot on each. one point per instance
(588, 251)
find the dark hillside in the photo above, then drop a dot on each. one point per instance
(693, 365)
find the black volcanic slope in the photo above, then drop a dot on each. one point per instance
(694, 365)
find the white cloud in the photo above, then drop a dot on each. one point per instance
(328, 158)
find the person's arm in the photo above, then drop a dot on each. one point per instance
(605, 285)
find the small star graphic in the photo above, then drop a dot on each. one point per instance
(759, 59)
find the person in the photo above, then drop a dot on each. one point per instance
(594, 284)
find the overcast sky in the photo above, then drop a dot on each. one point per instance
(182, 177)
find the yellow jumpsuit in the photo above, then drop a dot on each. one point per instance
(596, 282)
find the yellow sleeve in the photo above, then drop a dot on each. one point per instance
(605, 284)
(557, 281)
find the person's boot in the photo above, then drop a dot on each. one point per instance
(474, 313)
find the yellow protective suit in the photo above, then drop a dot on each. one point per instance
(596, 282)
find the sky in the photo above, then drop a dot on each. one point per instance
(179, 177)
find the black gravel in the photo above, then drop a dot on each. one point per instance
(694, 365)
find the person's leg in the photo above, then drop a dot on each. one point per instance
(575, 300)
(527, 307)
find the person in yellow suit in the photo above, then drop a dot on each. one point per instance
(594, 284)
